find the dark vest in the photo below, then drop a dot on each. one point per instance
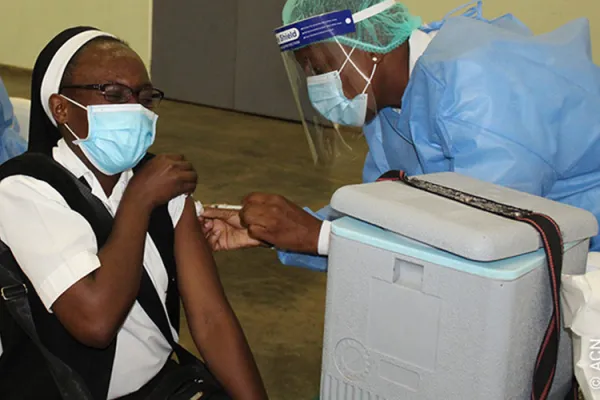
(23, 371)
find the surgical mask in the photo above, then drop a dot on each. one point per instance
(327, 96)
(119, 135)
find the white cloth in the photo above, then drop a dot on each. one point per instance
(418, 43)
(580, 295)
(324, 238)
(593, 262)
(56, 247)
(199, 207)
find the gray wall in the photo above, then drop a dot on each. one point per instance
(223, 54)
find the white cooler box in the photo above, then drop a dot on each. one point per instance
(431, 299)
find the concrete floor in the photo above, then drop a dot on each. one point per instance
(280, 308)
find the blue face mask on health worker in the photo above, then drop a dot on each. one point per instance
(327, 96)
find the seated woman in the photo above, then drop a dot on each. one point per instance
(93, 113)
(11, 144)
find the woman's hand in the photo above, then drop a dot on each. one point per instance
(223, 230)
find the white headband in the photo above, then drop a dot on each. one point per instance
(373, 10)
(56, 69)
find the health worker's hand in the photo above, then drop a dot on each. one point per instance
(271, 219)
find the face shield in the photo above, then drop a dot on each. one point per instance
(331, 80)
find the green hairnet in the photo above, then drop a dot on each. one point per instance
(381, 33)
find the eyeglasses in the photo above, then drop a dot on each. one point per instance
(118, 93)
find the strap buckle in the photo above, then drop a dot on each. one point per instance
(13, 292)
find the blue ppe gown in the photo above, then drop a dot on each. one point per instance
(490, 100)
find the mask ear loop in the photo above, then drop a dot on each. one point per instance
(372, 75)
(77, 138)
(362, 133)
(73, 101)
(347, 57)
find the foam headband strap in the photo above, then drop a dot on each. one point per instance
(373, 10)
(56, 69)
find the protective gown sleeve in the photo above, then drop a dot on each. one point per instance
(375, 165)
(312, 262)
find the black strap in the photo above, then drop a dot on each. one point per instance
(150, 302)
(545, 365)
(164, 239)
(147, 295)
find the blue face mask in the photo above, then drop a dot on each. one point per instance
(119, 135)
(327, 96)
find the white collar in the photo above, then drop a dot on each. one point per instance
(418, 43)
(63, 155)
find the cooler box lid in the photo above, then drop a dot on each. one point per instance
(457, 228)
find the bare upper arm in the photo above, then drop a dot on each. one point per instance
(199, 283)
(78, 311)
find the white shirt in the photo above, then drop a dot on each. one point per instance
(418, 43)
(56, 247)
